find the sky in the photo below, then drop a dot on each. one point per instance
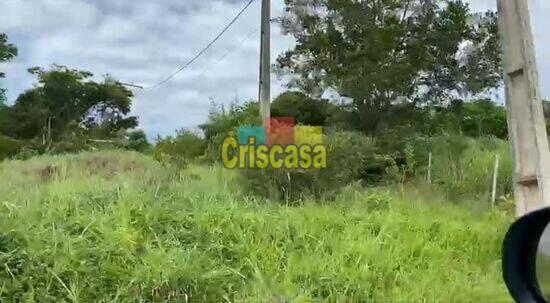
(143, 41)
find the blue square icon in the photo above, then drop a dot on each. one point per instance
(245, 132)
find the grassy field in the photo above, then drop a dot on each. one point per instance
(117, 227)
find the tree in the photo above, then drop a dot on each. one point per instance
(221, 121)
(481, 118)
(137, 140)
(7, 52)
(476, 118)
(305, 110)
(67, 98)
(383, 52)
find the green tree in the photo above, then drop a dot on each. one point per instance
(384, 52)
(65, 99)
(305, 110)
(483, 117)
(223, 121)
(476, 118)
(137, 140)
(7, 52)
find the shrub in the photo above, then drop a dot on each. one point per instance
(224, 123)
(349, 156)
(178, 151)
(26, 153)
(304, 109)
(137, 140)
(221, 122)
(9, 147)
(213, 147)
(69, 146)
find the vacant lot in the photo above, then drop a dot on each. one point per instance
(116, 227)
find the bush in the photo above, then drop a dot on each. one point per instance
(305, 110)
(213, 147)
(350, 156)
(9, 147)
(222, 122)
(69, 146)
(137, 140)
(178, 151)
(26, 153)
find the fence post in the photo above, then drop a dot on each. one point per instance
(495, 181)
(430, 168)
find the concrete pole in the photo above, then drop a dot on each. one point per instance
(265, 62)
(526, 123)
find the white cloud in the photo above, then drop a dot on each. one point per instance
(143, 41)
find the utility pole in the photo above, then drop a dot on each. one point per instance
(527, 130)
(265, 63)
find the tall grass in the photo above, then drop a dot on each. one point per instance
(463, 167)
(116, 227)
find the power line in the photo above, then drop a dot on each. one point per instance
(131, 85)
(228, 52)
(204, 49)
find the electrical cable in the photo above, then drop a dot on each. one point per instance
(199, 54)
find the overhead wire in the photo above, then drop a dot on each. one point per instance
(228, 52)
(199, 54)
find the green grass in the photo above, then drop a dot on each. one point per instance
(116, 227)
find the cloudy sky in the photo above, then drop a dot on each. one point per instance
(143, 41)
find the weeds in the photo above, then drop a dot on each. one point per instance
(139, 236)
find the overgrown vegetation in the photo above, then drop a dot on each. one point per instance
(464, 140)
(463, 167)
(115, 227)
(178, 151)
(165, 222)
(350, 158)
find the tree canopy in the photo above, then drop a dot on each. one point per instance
(305, 110)
(384, 52)
(7, 52)
(67, 98)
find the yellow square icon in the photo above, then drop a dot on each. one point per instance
(311, 135)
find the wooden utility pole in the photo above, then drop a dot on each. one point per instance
(526, 124)
(265, 62)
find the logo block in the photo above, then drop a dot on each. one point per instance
(280, 130)
(247, 132)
